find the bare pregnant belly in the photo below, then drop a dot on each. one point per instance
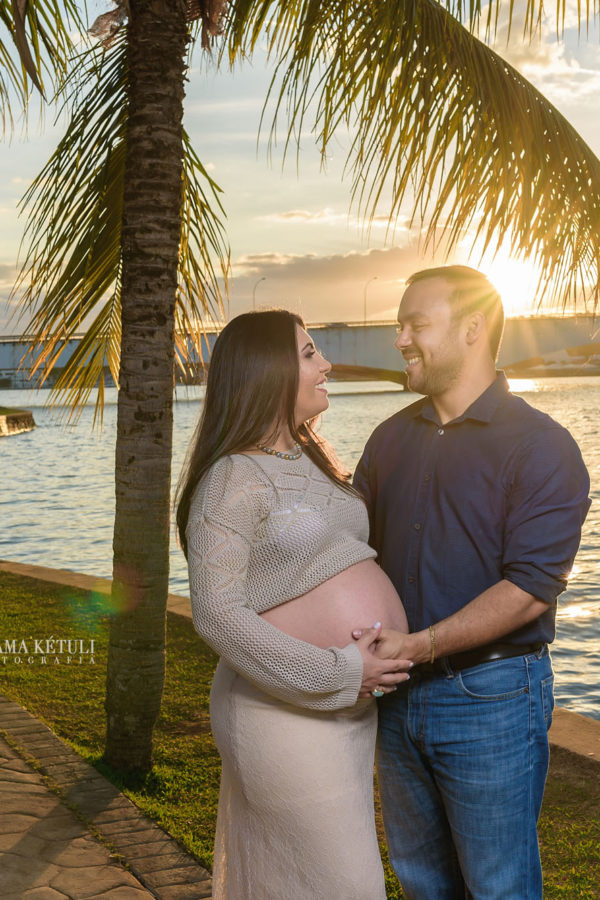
(355, 598)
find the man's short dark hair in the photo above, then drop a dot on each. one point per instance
(472, 291)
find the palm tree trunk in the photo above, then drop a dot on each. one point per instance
(157, 39)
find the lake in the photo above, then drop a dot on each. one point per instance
(57, 498)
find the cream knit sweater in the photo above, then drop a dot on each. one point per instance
(262, 531)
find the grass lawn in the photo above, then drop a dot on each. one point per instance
(7, 410)
(181, 792)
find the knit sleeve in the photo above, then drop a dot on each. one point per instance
(221, 531)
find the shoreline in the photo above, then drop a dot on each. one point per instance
(397, 377)
(571, 732)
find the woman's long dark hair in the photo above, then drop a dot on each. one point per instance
(251, 389)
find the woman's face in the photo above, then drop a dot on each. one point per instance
(312, 390)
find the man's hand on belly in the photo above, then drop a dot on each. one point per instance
(499, 610)
(397, 645)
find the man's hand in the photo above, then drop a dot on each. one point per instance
(379, 672)
(398, 645)
(502, 608)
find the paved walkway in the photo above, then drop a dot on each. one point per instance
(67, 832)
(46, 851)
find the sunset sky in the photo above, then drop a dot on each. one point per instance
(293, 239)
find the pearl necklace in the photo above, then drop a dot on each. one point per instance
(296, 453)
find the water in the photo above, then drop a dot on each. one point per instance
(57, 499)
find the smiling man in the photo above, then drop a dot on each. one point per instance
(476, 502)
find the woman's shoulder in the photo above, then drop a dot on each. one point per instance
(230, 478)
(240, 463)
(242, 466)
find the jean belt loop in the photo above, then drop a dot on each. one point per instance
(447, 665)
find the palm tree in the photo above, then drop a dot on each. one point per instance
(121, 231)
(150, 236)
(119, 223)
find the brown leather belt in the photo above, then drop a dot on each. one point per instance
(488, 653)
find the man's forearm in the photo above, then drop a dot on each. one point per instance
(499, 610)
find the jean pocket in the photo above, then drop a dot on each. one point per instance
(503, 680)
(547, 685)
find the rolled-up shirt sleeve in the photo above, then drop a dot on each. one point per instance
(547, 502)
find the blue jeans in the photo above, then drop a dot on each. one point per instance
(462, 761)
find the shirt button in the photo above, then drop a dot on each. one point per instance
(440, 431)
(427, 477)
(417, 526)
(411, 580)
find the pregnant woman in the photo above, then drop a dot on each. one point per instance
(280, 573)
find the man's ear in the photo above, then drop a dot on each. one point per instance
(475, 326)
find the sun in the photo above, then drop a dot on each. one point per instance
(516, 280)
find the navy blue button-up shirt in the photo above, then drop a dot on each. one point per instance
(499, 493)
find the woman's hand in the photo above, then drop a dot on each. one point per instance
(379, 674)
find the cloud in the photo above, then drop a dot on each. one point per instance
(575, 14)
(229, 105)
(326, 288)
(13, 317)
(567, 64)
(10, 320)
(337, 266)
(8, 275)
(326, 216)
(329, 218)
(224, 138)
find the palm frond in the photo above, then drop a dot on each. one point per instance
(439, 119)
(485, 18)
(85, 370)
(199, 296)
(36, 43)
(73, 232)
(72, 264)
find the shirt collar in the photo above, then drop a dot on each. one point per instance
(481, 410)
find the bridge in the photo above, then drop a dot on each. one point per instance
(535, 345)
(532, 346)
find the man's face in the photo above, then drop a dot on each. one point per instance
(429, 337)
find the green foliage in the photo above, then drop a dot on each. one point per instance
(72, 269)
(570, 825)
(181, 792)
(35, 45)
(74, 233)
(474, 14)
(439, 120)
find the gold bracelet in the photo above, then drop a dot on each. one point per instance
(432, 643)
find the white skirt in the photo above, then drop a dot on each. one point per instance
(296, 818)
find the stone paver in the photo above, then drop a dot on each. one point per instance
(46, 850)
